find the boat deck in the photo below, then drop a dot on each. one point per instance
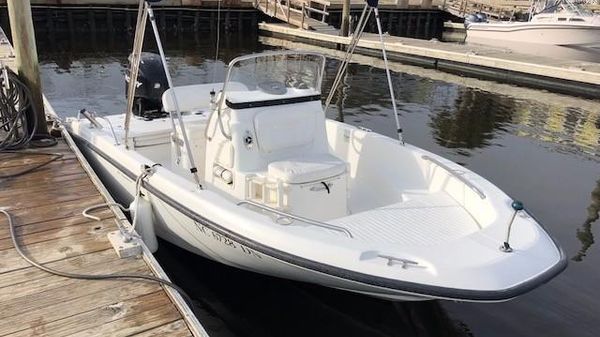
(425, 219)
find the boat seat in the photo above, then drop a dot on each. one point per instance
(309, 168)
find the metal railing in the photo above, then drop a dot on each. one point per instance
(297, 217)
(456, 175)
(283, 9)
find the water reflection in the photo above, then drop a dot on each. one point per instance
(476, 119)
(572, 129)
(584, 233)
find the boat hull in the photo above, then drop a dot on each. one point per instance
(569, 41)
(172, 225)
(205, 224)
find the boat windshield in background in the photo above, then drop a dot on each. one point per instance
(560, 6)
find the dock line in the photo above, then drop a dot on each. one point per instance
(110, 277)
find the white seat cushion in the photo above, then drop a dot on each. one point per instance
(307, 169)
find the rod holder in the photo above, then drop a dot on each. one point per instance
(516, 206)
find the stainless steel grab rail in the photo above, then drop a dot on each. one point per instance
(458, 176)
(297, 217)
(112, 130)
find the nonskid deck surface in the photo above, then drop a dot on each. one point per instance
(423, 219)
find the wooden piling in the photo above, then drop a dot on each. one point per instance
(345, 25)
(23, 37)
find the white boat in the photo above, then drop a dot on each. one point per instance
(560, 30)
(283, 191)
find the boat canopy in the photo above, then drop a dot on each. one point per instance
(562, 6)
(273, 78)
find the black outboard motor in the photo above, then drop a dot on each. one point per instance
(475, 18)
(151, 84)
(481, 17)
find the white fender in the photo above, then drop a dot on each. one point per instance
(141, 212)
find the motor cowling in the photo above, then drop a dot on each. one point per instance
(150, 86)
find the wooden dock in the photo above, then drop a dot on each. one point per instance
(566, 76)
(46, 205)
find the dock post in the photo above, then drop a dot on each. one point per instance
(23, 38)
(345, 18)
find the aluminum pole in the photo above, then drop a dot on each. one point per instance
(186, 142)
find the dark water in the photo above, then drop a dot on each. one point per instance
(539, 147)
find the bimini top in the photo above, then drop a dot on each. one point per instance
(273, 78)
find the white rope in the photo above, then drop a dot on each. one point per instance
(128, 233)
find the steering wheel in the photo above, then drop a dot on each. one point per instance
(273, 87)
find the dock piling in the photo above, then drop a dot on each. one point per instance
(23, 38)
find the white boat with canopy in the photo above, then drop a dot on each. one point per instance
(257, 178)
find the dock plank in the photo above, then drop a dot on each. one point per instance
(53, 224)
(118, 292)
(173, 329)
(43, 176)
(49, 196)
(16, 169)
(44, 187)
(38, 291)
(147, 319)
(92, 227)
(52, 211)
(82, 263)
(54, 250)
(24, 159)
(101, 315)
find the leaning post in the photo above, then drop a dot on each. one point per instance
(23, 40)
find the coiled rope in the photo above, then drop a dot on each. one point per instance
(15, 100)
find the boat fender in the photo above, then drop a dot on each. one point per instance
(143, 221)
